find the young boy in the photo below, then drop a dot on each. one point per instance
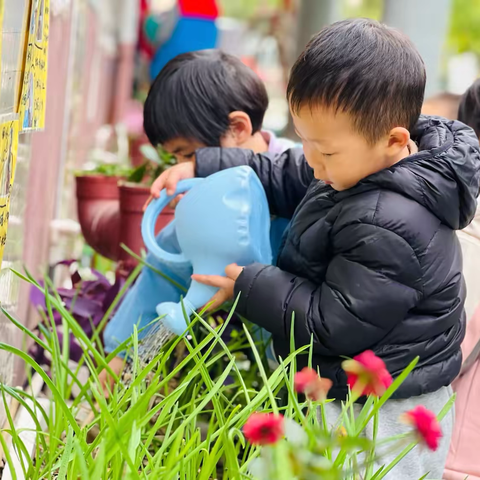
(370, 259)
(200, 99)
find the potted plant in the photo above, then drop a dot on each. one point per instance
(134, 194)
(98, 210)
(97, 191)
(110, 201)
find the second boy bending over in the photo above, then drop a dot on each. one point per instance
(200, 99)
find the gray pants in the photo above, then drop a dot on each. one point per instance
(419, 461)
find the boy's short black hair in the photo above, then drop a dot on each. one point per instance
(194, 94)
(469, 109)
(363, 68)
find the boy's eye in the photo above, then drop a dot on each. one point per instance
(328, 154)
(189, 155)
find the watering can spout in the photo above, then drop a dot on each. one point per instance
(174, 315)
(223, 219)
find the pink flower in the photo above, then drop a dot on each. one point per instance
(426, 425)
(264, 428)
(314, 387)
(367, 374)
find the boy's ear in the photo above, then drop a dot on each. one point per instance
(398, 139)
(240, 127)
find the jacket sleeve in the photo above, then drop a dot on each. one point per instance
(372, 281)
(285, 177)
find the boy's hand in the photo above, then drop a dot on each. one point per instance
(225, 284)
(169, 178)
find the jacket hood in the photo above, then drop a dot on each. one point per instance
(444, 176)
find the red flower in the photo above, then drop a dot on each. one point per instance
(426, 426)
(314, 387)
(367, 374)
(264, 428)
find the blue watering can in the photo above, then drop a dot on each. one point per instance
(223, 219)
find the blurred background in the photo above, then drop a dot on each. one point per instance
(67, 202)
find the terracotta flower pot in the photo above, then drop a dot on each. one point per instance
(110, 214)
(98, 207)
(132, 200)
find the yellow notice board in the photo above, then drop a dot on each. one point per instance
(8, 160)
(34, 88)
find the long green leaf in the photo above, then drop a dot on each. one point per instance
(59, 401)
(8, 457)
(261, 369)
(67, 455)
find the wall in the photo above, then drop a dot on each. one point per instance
(45, 164)
(89, 72)
(81, 92)
(11, 60)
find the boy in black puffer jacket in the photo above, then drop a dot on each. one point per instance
(371, 259)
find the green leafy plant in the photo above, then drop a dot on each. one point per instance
(186, 415)
(109, 170)
(157, 161)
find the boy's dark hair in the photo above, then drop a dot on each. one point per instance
(194, 94)
(363, 68)
(469, 109)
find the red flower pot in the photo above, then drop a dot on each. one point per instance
(98, 208)
(132, 200)
(110, 214)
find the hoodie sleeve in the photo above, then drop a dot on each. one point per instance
(284, 177)
(363, 297)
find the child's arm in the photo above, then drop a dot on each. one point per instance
(371, 283)
(285, 177)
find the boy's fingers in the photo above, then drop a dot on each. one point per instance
(171, 182)
(154, 190)
(212, 280)
(158, 184)
(171, 177)
(172, 204)
(233, 271)
(175, 201)
(217, 300)
(148, 202)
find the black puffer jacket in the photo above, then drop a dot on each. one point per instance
(375, 267)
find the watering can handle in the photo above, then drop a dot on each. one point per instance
(150, 219)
